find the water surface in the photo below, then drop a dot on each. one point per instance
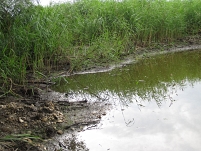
(156, 104)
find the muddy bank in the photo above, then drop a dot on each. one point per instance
(138, 55)
(29, 123)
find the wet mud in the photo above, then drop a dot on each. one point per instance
(37, 122)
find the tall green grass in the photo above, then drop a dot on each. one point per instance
(88, 32)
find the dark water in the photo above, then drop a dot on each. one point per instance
(156, 104)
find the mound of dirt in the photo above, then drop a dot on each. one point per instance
(28, 122)
(25, 120)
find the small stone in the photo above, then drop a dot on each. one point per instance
(29, 132)
(44, 119)
(12, 117)
(104, 113)
(28, 140)
(59, 121)
(99, 116)
(3, 106)
(72, 129)
(60, 132)
(21, 120)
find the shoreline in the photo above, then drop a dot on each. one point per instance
(130, 59)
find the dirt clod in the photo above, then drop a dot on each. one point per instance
(19, 117)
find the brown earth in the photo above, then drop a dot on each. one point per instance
(27, 123)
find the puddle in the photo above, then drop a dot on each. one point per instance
(156, 104)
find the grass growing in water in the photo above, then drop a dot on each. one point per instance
(87, 32)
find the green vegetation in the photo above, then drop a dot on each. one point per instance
(19, 137)
(9, 141)
(86, 33)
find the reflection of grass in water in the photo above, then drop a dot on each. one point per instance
(150, 79)
(159, 77)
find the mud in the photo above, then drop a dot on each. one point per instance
(35, 122)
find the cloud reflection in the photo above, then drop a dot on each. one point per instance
(155, 129)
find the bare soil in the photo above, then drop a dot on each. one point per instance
(28, 123)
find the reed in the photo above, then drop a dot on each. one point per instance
(88, 32)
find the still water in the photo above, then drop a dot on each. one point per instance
(156, 104)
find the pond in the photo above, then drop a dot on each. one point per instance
(155, 104)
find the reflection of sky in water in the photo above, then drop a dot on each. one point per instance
(145, 116)
(151, 128)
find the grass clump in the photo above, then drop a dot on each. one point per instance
(86, 33)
